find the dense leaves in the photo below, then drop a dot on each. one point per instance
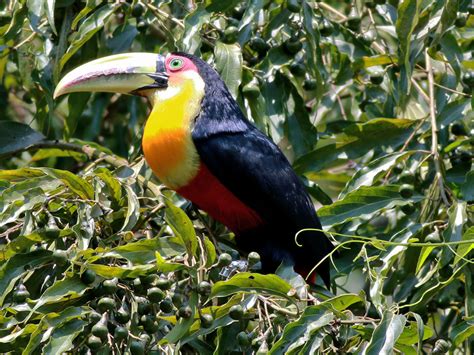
(371, 101)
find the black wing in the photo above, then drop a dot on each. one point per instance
(256, 171)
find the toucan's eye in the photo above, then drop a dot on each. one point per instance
(176, 64)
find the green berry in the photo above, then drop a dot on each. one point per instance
(293, 6)
(224, 260)
(325, 28)
(137, 10)
(137, 347)
(155, 294)
(259, 45)
(166, 306)
(236, 312)
(353, 20)
(458, 129)
(297, 69)
(123, 313)
(310, 84)
(143, 305)
(406, 177)
(204, 288)
(468, 78)
(110, 286)
(406, 190)
(243, 339)
(120, 333)
(163, 283)
(88, 276)
(100, 330)
(60, 257)
(441, 347)
(185, 312)
(21, 294)
(292, 45)
(461, 20)
(94, 343)
(206, 320)
(106, 304)
(230, 34)
(94, 317)
(376, 78)
(408, 208)
(253, 258)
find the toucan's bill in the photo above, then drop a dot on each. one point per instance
(127, 73)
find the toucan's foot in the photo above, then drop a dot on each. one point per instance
(234, 267)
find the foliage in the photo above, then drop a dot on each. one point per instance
(373, 105)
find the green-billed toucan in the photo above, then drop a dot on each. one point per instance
(198, 142)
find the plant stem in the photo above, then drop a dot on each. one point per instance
(434, 128)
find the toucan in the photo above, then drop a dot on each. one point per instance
(198, 142)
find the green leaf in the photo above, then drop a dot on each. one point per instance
(77, 185)
(228, 58)
(362, 202)
(342, 302)
(373, 171)
(65, 289)
(182, 227)
(386, 334)
(193, 22)
(297, 333)
(76, 104)
(87, 29)
(424, 253)
(61, 339)
(467, 188)
(58, 153)
(463, 249)
(182, 327)
(15, 137)
(133, 210)
(14, 268)
(356, 141)
(462, 331)
(247, 281)
(408, 12)
(219, 5)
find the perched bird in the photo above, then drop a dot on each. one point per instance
(198, 142)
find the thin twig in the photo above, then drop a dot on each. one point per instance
(434, 128)
(451, 90)
(162, 13)
(420, 90)
(332, 10)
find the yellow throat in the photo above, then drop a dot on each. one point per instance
(167, 141)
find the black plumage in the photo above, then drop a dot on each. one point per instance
(254, 169)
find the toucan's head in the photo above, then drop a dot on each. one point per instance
(143, 74)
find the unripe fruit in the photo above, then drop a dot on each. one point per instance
(143, 305)
(120, 333)
(224, 260)
(137, 10)
(155, 294)
(236, 312)
(250, 90)
(88, 276)
(292, 46)
(441, 347)
(166, 305)
(137, 347)
(406, 190)
(204, 288)
(259, 45)
(325, 28)
(243, 339)
(253, 258)
(94, 342)
(206, 320)
(163, 283)
(100, 330)
(297, 69)
(110, 286)
(433, 237)
(60, 257)
(293, 6)
(408, 208)
(123, 314)
(376, 78)
(230, 34)
(21, 294)
(106, 304)
(458, 129)
(310, 84)
(185, 312)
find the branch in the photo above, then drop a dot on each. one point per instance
(434, 128)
